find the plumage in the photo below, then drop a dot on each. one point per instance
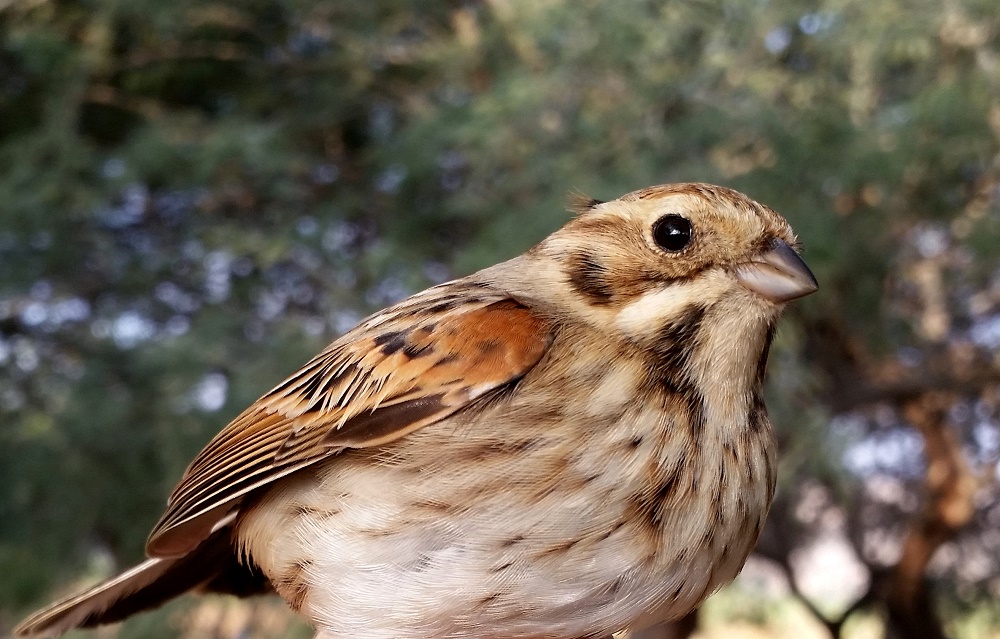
(397, 371)
(566, 444)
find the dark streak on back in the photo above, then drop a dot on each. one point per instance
(412, 351)
(391, 341)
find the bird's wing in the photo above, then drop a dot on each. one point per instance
(408, 366)
(211, 567)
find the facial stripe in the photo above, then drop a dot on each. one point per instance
(677, 340)
(643, 317)
(671, 375)
(589, 277)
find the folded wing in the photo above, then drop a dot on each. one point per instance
(409, 366)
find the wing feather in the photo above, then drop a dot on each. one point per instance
(404, 368)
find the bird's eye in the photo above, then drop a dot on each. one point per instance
(672, 233)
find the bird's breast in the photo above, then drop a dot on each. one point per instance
(575, 505)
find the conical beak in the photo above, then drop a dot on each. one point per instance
(777, 274)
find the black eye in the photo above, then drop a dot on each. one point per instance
(672, 233)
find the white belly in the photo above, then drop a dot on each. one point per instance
(449, 534)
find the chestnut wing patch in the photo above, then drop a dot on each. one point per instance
(409, 366)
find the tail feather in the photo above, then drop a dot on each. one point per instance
(211, 567)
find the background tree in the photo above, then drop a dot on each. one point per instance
(196, 196)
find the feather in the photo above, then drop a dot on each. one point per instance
(406, 367)
(566, 487)
(211, 567)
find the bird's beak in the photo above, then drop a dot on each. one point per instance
(777, 274)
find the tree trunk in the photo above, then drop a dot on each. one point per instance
(948, 507)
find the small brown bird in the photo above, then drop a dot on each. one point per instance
(564, 445)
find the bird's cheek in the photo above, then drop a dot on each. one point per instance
(647, 315)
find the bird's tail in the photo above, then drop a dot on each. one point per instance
(211, 567)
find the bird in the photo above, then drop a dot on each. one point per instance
(567, 444)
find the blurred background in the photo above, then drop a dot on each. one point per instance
(196, 196)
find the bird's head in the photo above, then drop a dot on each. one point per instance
(667, 259)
